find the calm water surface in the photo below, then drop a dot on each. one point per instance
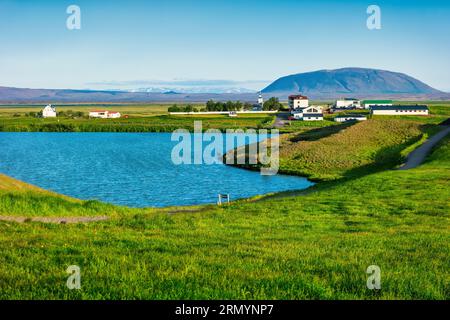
(133, 169)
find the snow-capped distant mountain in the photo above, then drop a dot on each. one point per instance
(192, 90)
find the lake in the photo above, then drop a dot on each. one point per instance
(132, 169)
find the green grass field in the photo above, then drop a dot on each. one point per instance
(135, 110)
(156, 123)
(141, 118)
(348, 150)
(313, 244)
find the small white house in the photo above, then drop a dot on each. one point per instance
(298, 102)
(347, 103)
(350, 117)
(313, 113)
(104, 114)
(98, 114)
(49, 112)
(406, 110)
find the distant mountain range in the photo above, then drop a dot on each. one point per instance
(20, 95)
(350, 82)
(323, 84)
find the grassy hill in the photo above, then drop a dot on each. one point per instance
(314, 245)
(348, 151)
(22, 199)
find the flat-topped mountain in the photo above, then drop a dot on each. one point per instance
(350, 81)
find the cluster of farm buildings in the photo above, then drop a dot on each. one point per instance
(300, 109)
(50, 112)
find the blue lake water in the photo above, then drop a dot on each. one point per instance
(133, 169)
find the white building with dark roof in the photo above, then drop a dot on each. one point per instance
(104, 114)
(312, 113)
(400, 110)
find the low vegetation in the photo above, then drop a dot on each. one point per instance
(348, 150)
(162, 123)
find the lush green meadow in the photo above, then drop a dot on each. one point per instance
(313, 244)
(134, 110)
(135, 118)
(345, 150)
(155, 118)
(160, 123)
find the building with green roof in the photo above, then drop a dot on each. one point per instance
(372, 103)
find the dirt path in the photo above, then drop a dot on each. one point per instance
(57, 220)
(416, 157)
(281, 120)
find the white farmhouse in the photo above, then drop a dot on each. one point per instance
(104, 114)
(49, 112)
(98, 114)
(350, 117)
(405, 110)
(313, 113)
(298, 102)
(347, 103)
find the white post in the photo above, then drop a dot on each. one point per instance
(221, 196)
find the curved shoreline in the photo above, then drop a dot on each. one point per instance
(29, 187)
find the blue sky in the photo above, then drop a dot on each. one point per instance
(127, 44)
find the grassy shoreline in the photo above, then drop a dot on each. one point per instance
(346, 151)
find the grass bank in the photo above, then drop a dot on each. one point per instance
(347, 151)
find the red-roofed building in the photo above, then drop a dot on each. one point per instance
(104, 114)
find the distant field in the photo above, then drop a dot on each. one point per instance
(136, 110)
(141, 118)
(154, 117)
(156, 123)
